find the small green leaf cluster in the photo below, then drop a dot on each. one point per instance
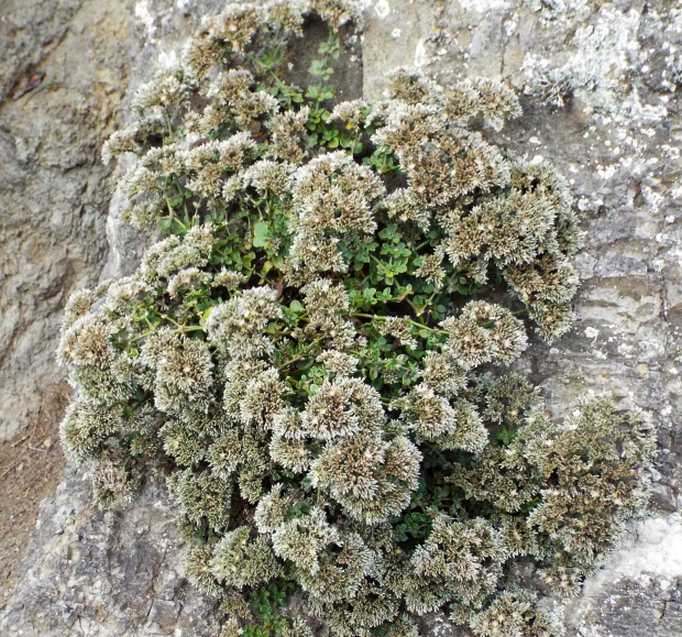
(316, 354)
(266, 605)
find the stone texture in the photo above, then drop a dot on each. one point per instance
(396, 35)
(94, 573)
(601, 86)
(639, 590)
(62, 74)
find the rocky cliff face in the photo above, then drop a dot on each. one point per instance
(601, 82)
(62, 76)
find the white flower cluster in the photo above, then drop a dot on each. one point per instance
(333, 197)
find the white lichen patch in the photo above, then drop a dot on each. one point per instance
(420, 55)
(599, 55)
(591, 333)
(144, 14)
(652, 548)
(481, 6)
(382, 8)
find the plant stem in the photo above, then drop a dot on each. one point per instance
(379, 317)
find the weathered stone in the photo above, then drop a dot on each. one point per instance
(639, 589)
(96, 574)
(396, 36)
(62, 75)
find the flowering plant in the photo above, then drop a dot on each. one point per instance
(316, 354)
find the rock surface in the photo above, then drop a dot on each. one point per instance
(601, 84)
(94, 573)
(62, 74)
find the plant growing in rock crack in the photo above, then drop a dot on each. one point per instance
(316, 355)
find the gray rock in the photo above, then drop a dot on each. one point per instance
(62, 74)
(601, 100)
(639, 589)
(92, 573)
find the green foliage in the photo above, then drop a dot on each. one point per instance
(267, 604)
(383, 161)
(315, 353)
(322, 67)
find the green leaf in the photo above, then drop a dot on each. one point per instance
(319, 68)
(505, 436)
(369, 293)
(261, 234)
(320, 93)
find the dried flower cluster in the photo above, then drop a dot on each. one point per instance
(309, 356)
